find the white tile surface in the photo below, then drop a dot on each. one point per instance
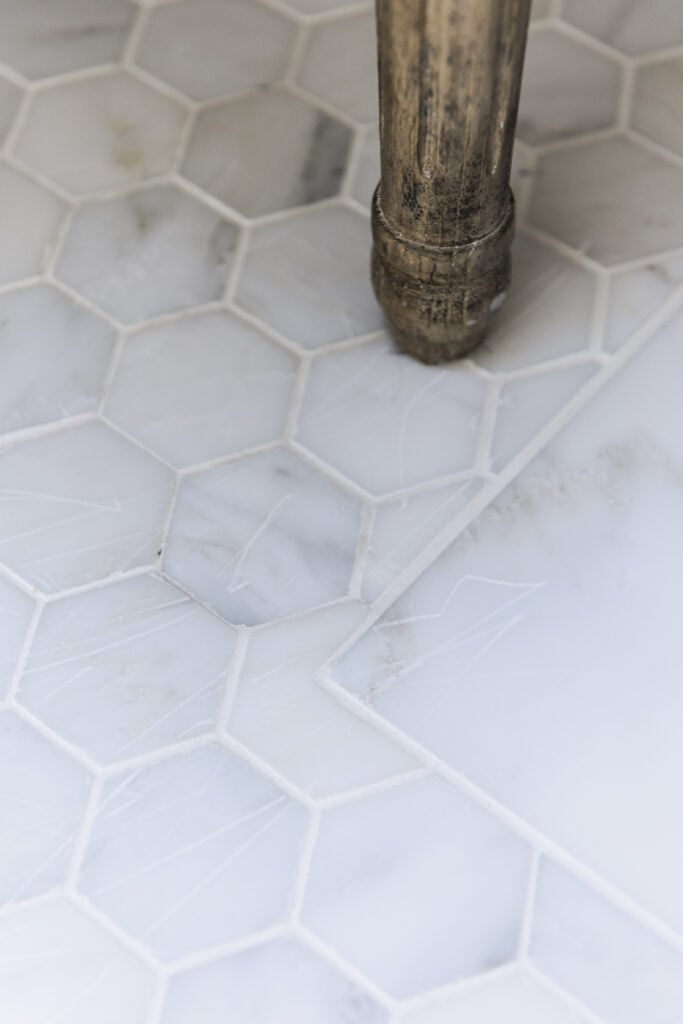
(16, 610)
(100, 132)
(56, 964)
(267, 128)
(42, 800)
(539, 656)
(202, 387)
(79, 505)
(515, 999)
(193, 852)
(629, 27)
(372, 414)
(41, 40)
(127, 669)
(263, 537)
(613, 966)
(245, 434)
(308, 277)
(567, 88)
(417, 887)
(282, 715)
(655, 103)
(301, 989)
(210, 48)
(31, 218)
(150, 252)
(55, 356)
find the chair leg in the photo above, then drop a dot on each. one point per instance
(443, 214)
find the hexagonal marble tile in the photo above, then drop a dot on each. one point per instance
(55, 356)
(527, 404)
(567, 88)
(296, 154)
(635, 294)
(41, 39)
(280, 712)
(164, 683)
(581, 195)
(31, 218)
(404, 526)
(432, 863)
(212, 48)
(307, 277)
(56, 963)
(200, 387)
(41, 803)
(100, 132)
(340, 65)
(611, 964)
(150, 252)
(514, 998)
(301, 989)
(79, 505)
(656, 103)
(16, 609)
(546, 288)
(629, 27)
(10, 98)
(367, 170)
(193, 851)
(263, 537)
(375, 415)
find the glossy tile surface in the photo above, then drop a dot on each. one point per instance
(333, 688)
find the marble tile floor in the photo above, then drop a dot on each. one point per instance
(334, 689)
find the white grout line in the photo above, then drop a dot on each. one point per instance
(586, 1015)
(343, 967)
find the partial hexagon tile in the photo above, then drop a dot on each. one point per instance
(615, 200)
(629, 27)
(308, 277)
(57, 964)
(540, 8)
(16, 609)
(54, 356)
(296, 154)
(79, 505)
(41, 803)
(527, 404)
(200, 387)
(163, 684)
(263, 537)
(378, 416)
(404, 526)
(153, 251)
(605, 959)
(31, 218)
(40, 39)
(547, 312)
(10, 97)
(417, 887)
(281, 981)
(282, 714)
(516, 998)
(636, 294)
(100, 132)
(211, 48)
(340, 65)
(194, 851)
(657, 103)
(567, 88)
(540, 655)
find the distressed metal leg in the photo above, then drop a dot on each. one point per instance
(443, 214)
